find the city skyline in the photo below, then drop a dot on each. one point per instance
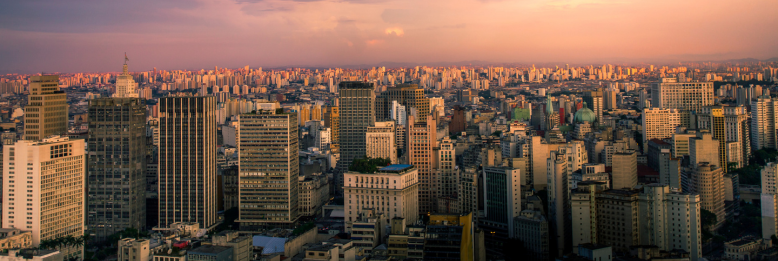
(83, 36)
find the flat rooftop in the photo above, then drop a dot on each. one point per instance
(396, 168)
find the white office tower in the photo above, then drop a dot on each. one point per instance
(399, 114)
(672, 93)
(769, 201)
(125, 85)
(670, 220)
(659, 124)
(43, 189)
(763, 118)
(380, 141)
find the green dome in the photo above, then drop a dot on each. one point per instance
(584, 115)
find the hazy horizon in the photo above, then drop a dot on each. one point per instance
(92, 36)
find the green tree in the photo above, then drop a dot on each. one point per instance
(368, 165)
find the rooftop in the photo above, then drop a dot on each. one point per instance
(397, 168)
(209, 249)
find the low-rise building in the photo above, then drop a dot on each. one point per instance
(31, 255)
(744, 248)
(210, 253)
(133, 249)
(314, 193)
(12, 238)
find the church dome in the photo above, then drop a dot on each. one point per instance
(584, 115)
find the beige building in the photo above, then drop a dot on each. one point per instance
(617, 219)
(448, 178)
(625, 173)
(12, 238)
(125, 85)
(380, 141)
(764, 115)
(422, 139)
(269, 170)
(46, 112)
(392, 191)
(53, 167)
(703, 148)
(708, 182)
(242, 246)
(670, 220)
(769, 200)
(671, 93)
(659, 124)
(314, 193)
(133, 249)
(730, 126)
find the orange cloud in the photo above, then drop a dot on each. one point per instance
(374, 42)
(396, 31)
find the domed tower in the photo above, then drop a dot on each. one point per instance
(585, 115)
(584, 118)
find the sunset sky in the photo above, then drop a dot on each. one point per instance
(92, 35)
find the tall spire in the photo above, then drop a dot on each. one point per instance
(124, 68)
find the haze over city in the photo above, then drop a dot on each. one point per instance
(80, 36)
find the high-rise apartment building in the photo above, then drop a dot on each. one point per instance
(625, 167)
(769, 200)
(595, 102)
(408, 95)
(392, 191)
(357, 113)
(703, 148)
(422, 139)
(332, 120)
(448, 178)
(659, 124)
(730, 126)
(558, 202)
(46, 112)
(117, 166)
(670, 220)
(681, 95)
(708, 181)
(502, 203)
(187, 160)
(380, 141)
(43, 189)
(764, 115)
(125, 85)
(269, 169)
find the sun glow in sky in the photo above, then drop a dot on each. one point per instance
(92, 35)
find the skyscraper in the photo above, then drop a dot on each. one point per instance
(380, 141)
(674, 94)
(764, 114)
(332, 121)
(670, 220)
(408, 95)
(125, 85)
(729, 125)
(269, 169)
(45, 192)
(708, 182)
(422, 138)
(625, 168)
(769, 201)
(187, 160)
(46, 112)
(117, 165)
(357, 113)
(659, 124)
(594, 100)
